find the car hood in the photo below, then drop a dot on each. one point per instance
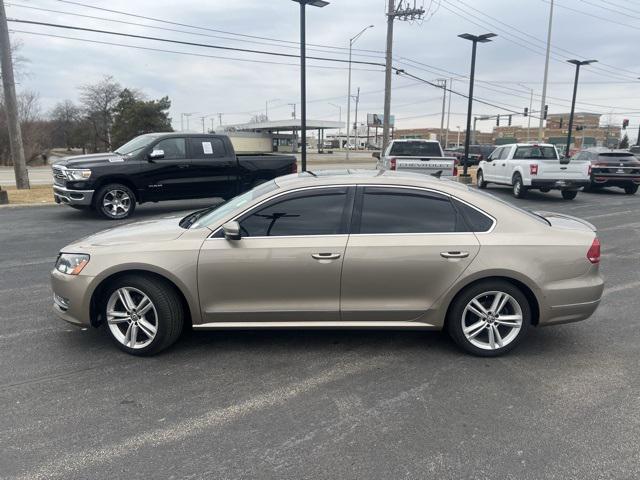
(88, 161)
(162, 230)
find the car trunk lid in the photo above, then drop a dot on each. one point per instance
(560, 220)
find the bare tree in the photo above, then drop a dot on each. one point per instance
(35, 131)
(66, 117)
(98, 101)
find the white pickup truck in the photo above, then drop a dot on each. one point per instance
(527, 166)
(416, 155)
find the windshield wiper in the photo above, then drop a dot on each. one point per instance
(192, 218)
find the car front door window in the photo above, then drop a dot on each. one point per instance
(173, 148)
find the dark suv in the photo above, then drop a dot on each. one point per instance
(612, 168)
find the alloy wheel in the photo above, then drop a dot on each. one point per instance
(132, 317)
(492, 320)
(117, 203)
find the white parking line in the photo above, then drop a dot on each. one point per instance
(64, 465)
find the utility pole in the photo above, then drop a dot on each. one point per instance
(446, 136)
(352, 40)
(444, 101)
(294, 109)
(403, 14)
(213, 128)
(546, 75)
(11, 104)
(202, 118)
(355, 124)
(220, 118)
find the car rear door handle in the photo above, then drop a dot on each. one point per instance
(326, 256)
(454, 254)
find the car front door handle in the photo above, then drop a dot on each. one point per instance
(326, 256)
(454, 254)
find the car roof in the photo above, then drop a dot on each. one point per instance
(606, 150)
(400, 140)
(526, 145)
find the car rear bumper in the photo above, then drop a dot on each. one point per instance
(572, 300)
(72, 197)
(560, 184)
(616, 180)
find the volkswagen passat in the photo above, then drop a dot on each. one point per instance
(332, 250)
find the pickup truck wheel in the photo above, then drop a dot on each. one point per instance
(569, 194)
(519, 190)
(631, 189)
(480, 180)
(545, 189)
(489, 318)
(115, 201)
(143, 315)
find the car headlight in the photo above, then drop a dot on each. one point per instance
(78, 174)
(71, 263)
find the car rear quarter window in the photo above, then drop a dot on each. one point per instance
(305, 214)
(404, 210)
(206, 147)
(476, 221)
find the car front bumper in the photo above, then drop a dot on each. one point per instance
(71, 297)
(72, 197)
(560, 184)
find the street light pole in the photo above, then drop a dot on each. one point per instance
(578, 64)
(339, 107)
(474, 39)
(303, 75)
(546, 74)
(351, 42)
(444, 104)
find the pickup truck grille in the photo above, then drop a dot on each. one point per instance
(58, 176)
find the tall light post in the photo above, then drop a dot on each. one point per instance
(266, 107)
(474, 39)
(352, 40)
(530, 111)
(303, 75)
(578, 64)
(339, 107)
(546, 74)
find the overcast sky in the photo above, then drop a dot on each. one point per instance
(513, 63)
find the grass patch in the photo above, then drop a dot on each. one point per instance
(35, 194)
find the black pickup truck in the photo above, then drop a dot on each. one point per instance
(162, 166)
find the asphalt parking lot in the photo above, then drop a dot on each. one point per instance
(334, 404)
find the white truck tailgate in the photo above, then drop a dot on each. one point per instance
(554, 170)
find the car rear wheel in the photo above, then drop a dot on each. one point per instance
(569, 194)
(519, 190)
(115, 201)
(143, 315)
(480, 180)
(489, 318)
(631, 189)
(545, 189)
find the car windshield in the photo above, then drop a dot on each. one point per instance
(134, 146)
(617, 156)
(535, 152)
(415, 149)
(215, 214)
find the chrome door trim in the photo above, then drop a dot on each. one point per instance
(330, 324)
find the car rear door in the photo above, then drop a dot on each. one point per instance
(287, 265)
(214, 169)
(407, 247)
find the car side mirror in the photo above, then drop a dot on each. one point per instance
(489, 159)
(232, 230)
(376, 155)
(156, 155)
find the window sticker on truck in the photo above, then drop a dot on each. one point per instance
(207, 148)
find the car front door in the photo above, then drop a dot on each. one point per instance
(489, 168)
(214, 170)
(168, 175)
(287, 265)
(506, 165)
(407, 247)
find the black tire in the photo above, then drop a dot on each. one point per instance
(631, 189)
(454, 323)
(519, 190)
(545, 189)
(168, 307)
(119, 192)
(80, 207)
(569, 194)
(480, 180)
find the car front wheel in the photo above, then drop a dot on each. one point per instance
(144, 315)
(489, 318)
(115, 201)
(480, 180)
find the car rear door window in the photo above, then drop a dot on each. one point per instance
(206, 148)
(405, 210)
(173, 148)
(310, 213)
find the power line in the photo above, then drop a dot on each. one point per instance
(594, 16)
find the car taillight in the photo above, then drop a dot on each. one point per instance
(294, 167)
(593, 255)
(455, 170)
(533, 169)
(392, 162)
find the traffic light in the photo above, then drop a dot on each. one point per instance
(625, 123)
(526, 111)
(509, 120)
(497, 120)
(546, 111)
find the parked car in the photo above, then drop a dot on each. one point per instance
(635, 149)
(162, 166)
(612, 168)
(416, 155)
(477, 153)
(364, 249)
(527, 166)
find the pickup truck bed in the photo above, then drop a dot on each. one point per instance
(418, 156)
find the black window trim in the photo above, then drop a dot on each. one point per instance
(357, 212)
(344, 224)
